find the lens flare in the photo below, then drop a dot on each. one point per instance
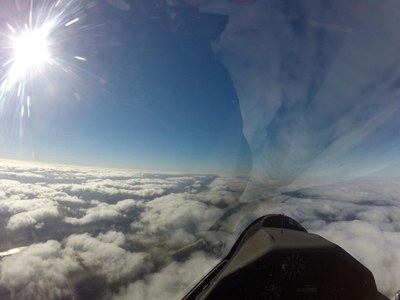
(33, 45)
(38, 56)
(30, 52)
(31, 49)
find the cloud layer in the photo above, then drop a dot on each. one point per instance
(87, 234)
(101, 233)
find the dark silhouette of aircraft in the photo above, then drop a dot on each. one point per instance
(276, 258)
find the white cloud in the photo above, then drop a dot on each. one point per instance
(103, 211)
(171, 282)
(25, 213)
(15, 205)
(64, 197)
(176, 211)
(99, 213)
(46, 270)
(194, 214)
(114, 237)
(38, 272)
(126, 204)
(105, 255)
(222, 191)
(26, 219)
(149, 191)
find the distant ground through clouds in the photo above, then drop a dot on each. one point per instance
(115, 234)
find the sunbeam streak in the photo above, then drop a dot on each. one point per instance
(30, 51)
(28, 41)
(36, 46)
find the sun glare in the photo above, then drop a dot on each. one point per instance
(30, 50)
(29, 44)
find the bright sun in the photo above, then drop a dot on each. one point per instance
(30, 50)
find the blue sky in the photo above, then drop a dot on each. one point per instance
(313, 93)
(161, 101)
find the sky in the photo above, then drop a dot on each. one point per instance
(318, 86)
(292, 91)
(298, 98)
(121, 89)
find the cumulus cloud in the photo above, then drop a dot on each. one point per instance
(105, 255)
(171, 282)
(25, 219)
(113, 237)
(159, 245)
(172, 211)
(222, 191)
(39, 272)
(15, 205)
(49, 270)
(27, 212)
(103, 211)
(71, 210)
(176, 220)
